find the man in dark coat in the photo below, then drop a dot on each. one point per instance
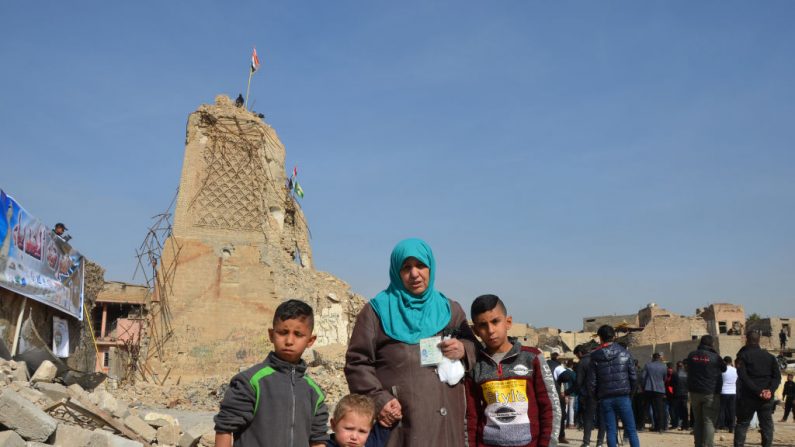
(758, 377)
(704, 381)
(654, 392)
(679, 414)
(611, 378)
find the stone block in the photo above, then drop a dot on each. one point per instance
(104, 400)
(168, 434)
(160, 420)
(46, 372)
(22, 416)
(9, 438)
(30, 394)
(192, 434)
(73, 436)
(53, 391)
(122, 410)
(112, 440)
(140, 427)
(78, 390)
(36, 444)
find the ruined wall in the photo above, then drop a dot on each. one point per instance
(592, 324)
(664, 329)
(769, 329)
(239, 247)
(724, 318)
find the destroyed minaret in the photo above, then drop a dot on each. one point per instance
(239, 247)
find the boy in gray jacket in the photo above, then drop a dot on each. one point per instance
(274, 404)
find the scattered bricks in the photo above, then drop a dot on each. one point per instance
(53, 391)
(168, 435)
(20, 415)
(160, 420)
(9, 438)
(192, 435)
(140, 427)
(45, 373)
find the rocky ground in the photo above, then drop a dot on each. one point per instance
(36, 412)
(784, 436)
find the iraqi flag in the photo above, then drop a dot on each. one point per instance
(254, 61)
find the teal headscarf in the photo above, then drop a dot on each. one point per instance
(406, 317)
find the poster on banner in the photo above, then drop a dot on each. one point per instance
(36, 263)
(60, 337)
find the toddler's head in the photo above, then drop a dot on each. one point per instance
(352, 420)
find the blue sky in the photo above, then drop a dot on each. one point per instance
(575, 158)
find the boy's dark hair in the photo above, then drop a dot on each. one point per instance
(485, 303)
(356, 403)
(292, 309)
(606, 333)
(707, 340)
(727, 360)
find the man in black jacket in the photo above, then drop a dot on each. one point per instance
(758, 376)
(611, 378)
(587, 402)
(679, 414)
(704, 368)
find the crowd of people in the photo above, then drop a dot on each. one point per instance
(702, 393)
(420, 375)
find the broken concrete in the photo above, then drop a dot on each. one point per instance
(22, 416)
(140, 427)
(46, 372)
(192, 435)
(9, 438)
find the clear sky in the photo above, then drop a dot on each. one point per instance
(575, 158)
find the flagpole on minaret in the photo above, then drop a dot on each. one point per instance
(250, 74)
(252, 69)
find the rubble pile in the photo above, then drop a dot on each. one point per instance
(37, 411)
(326, 366)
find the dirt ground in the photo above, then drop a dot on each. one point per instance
(783, 436)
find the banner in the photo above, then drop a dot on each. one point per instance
(36, 263)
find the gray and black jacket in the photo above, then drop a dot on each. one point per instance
(273, 404)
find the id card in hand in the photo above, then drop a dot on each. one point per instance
(430, 353)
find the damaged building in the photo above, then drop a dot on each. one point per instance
(239, 246)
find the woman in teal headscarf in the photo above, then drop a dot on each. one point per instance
(383, 358)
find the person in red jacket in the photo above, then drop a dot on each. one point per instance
(511, 395)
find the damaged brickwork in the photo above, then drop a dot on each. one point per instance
(239, 247)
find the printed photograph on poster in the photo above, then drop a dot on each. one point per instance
(60, 337)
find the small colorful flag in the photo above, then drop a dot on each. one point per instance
(295, 171)
(298, 190)
(254, 61)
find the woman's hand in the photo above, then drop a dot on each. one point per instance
(390, 414)
(453, 349)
